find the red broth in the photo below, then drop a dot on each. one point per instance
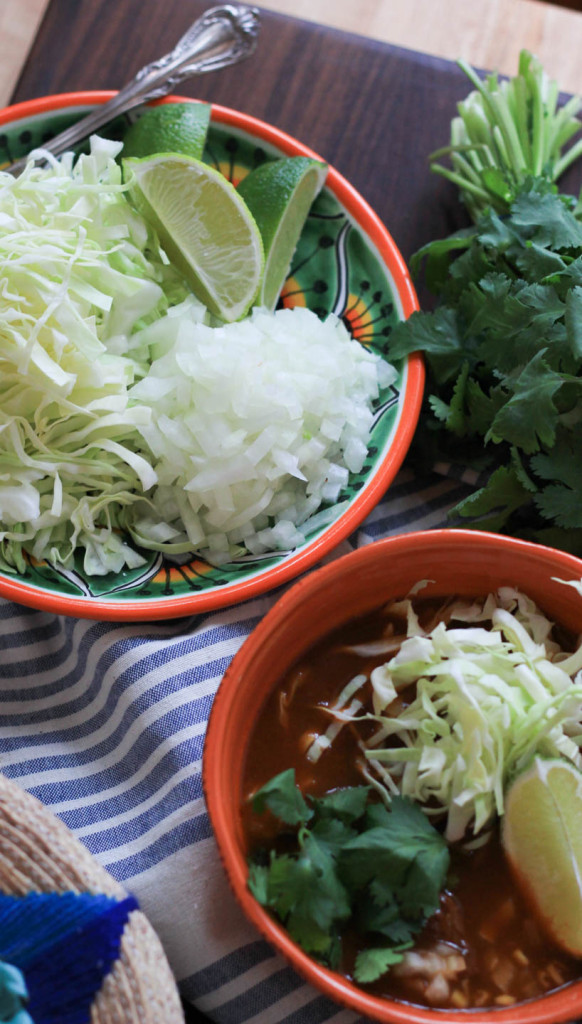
(483, 948)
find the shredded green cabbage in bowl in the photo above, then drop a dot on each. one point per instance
(492, 691)
(79, 271)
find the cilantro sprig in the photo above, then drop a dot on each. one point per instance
(353, 861)
(504, 344)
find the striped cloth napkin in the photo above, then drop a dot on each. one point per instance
(105, 724)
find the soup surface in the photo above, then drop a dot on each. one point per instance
(484, 946)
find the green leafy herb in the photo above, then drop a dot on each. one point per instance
(371, 964)
(352, 861)
(284, 799)
(504, 345)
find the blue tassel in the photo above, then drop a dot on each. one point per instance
(66, 944)
(13, 996)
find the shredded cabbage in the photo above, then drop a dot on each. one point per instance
(75, 281)
(487, 701)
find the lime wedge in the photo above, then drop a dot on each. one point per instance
(204, 226)
(279, 195)
(542, 838)
(170, 128)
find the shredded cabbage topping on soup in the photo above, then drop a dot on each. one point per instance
(488, 695)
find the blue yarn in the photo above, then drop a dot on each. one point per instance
(31, 924)
(66, 944)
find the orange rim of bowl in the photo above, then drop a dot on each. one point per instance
(364, 216)
(561, 1005)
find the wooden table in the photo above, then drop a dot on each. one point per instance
(373, 110)
(489, 33)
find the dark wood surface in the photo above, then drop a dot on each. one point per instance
(373, 111)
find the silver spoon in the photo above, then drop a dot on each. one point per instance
(222, 36)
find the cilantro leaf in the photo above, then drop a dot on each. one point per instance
(513, 320)
(565, 463)
(378, 916)
(420, 894)
(537, 263)
(258, 881)
(332, 834)
(560, 499)
(453, 413)
(530, 415)
(571, 275)
(348, 803)
(561, 504)
(490, 507)
(437, 256)
(469, 268)
(402, 852)
(495, 232)
(522, 476)
(283, 798)
(549, 218)
(371, 964)
(438, 335)
(305, 892)
(482, 407)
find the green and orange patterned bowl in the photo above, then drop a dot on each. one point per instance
(346, 263)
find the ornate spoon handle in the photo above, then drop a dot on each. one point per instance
(220, 37)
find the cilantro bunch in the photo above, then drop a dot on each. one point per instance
(504, 345)
(348, 860)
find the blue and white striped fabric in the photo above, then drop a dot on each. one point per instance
(105, 724)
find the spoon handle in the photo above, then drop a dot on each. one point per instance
(221, 36)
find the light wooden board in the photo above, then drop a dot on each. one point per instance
(488, 33)
(19, 20)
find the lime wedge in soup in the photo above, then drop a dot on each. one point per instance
(204, 226)
(279, 195)
(542, 838)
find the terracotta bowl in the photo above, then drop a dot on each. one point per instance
(456, 562)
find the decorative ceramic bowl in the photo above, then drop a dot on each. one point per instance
(347, 263)
(460, 562)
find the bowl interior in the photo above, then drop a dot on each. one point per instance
(454, 562)
(346, 263)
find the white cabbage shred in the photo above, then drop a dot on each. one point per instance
(491, 693)
(125, 412)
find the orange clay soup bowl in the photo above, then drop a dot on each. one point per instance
(430, 565)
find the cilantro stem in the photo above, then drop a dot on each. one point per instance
(457, 179)
(538, 149)
(567, 159)
(510, 136)
(513, 127)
